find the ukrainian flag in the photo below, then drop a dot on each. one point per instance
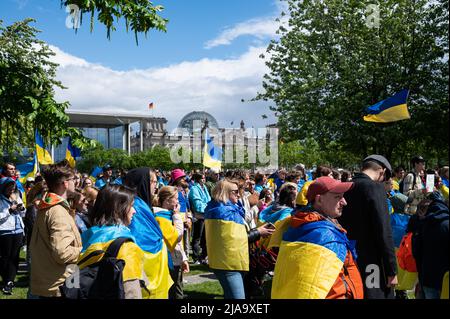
(43, 155)
(310, 258)
(278, 219)
(149, 238)
(226, 237)
(94, 174)
(72, 152)
(389, 110)
(28, 169)
(170, 234)
(212, 155)
(98, 238)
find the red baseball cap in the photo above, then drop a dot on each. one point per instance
(326, 184)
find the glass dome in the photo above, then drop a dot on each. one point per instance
(187, 122)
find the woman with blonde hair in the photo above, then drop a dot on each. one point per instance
(228, 237)
(171, 222)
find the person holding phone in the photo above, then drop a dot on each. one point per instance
(11, 232)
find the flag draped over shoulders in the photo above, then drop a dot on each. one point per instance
(98, 238)
(312, 253)
(149, 238)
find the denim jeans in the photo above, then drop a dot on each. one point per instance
(431, 293)
(232, 283)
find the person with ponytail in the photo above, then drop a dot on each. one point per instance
(171, 222)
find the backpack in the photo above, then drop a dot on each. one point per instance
(101, 280)
(405, 255)
(401, 185)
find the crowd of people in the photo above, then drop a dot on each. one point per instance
(323, 233)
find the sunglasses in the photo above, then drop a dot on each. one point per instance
(235, 191)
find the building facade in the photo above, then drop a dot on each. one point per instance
(136, 132)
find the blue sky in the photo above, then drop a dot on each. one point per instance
(207, 60)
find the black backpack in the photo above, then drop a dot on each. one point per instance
(101, 280)
(401, 185)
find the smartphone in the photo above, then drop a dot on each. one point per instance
(430, 183)
(270, 226)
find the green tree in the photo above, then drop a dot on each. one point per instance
(27, 82)
(140, 15)
(329, 64)
(98, 156)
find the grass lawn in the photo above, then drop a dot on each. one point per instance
(21, 288)
(206, 290)
(197, 269)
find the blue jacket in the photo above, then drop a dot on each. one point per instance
(199, 198)
(184, 202)
(10, 223)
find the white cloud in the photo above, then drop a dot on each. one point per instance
(65, 59)
(211, 85)
(260, 28)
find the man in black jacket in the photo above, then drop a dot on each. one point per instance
(366, 219)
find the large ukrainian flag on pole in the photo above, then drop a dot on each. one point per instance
(43, 156)
(212, 155)
(389, 110)
(72, 152)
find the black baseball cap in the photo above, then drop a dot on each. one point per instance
(382, 161)
(417, 159)
(106, 167)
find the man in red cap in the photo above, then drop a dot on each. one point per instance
(316, 260)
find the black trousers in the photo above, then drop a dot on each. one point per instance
(176, 291)
(9, 256)
(199, 241)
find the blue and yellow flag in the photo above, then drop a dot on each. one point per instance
(94, 174)
(226, 237)
(43, 155)
(28, 169)
(212, 154)
(100, 237)
(311, 256)
(149, 238)
(278, 219)
(389, 110)
(72, 152)
(165, 221)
